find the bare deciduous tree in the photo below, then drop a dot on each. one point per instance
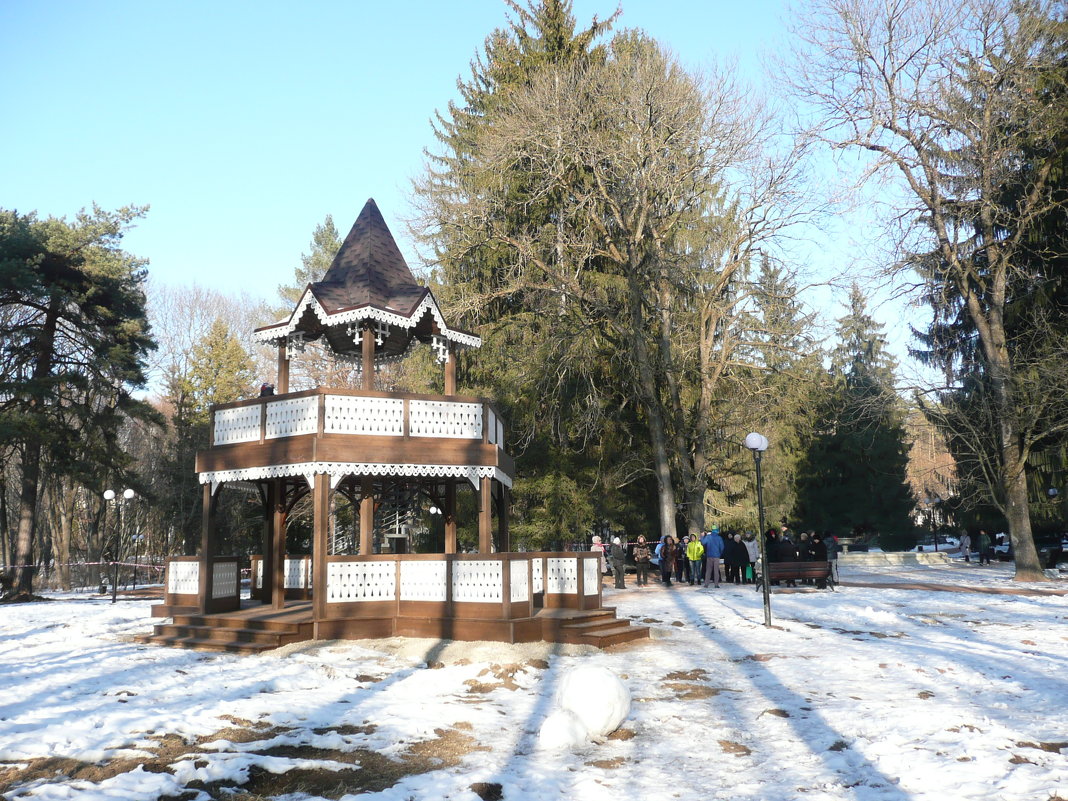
(941, 94)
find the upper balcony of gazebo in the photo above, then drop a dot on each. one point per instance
(340, 427)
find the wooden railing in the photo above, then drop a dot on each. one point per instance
(356, 413)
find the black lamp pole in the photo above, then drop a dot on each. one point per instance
(758, 443)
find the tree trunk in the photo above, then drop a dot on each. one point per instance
(648, 391)
(31, 461)
(1017, 508)
(24, 566)
(64, 505)
(991, 328)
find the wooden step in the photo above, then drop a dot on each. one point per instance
(604, 638)
(234, 622)
(591, 625)
(228, 634)
(205, 644)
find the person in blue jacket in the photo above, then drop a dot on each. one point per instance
(713, 543)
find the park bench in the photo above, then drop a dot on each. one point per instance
(786, 571)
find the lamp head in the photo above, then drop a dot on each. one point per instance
(756, 442)
(128, 493)
(109, 495)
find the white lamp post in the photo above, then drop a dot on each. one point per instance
(758, 443)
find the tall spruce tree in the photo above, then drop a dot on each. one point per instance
(547, 375)
(851, 479)
(783, 377)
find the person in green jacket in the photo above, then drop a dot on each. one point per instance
(986, 548)
(694, 551)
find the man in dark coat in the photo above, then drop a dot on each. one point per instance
(736, 557)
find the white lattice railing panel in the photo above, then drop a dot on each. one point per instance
(347, 414)
(294, 573)
(561, 576)
(536, 578)
(422, 581)
(224, 580)
(591, 576)
(237, 425)
(445, 419)
(183, 578)
(292, 417)
(477, 581)
(520, 581)
(348, 582)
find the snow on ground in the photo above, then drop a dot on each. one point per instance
(868, 693)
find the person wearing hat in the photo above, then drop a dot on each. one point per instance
(642, 559)
(598, 546)
(618, 555)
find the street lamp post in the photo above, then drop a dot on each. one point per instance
(758, 443)
(109, 495)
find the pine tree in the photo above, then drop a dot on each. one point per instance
(73, 345)
(785, 377)
(313, 265)
(852, 475)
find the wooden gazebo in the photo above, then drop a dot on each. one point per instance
(368, 445)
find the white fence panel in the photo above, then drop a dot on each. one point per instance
(183, 578)
(477, 581)
(422, 581)
(224, 580)
(360, 581)
(292, 417)
(591, 576)
(561, 576)
(237, 425)
(520, 580)
(347, 414)
(445, 419)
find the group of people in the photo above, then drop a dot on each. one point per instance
(714, 557)
(984, 545)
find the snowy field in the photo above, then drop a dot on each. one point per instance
(868, 693)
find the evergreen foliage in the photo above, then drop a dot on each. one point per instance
(73, 343)
(852, 477)
(325, 244)
(544, 367)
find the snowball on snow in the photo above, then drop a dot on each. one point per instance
(597, 698)
(561, 731)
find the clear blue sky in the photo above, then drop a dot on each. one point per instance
(243, 124)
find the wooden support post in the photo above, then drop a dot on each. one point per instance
(504, 540)
(450, 370)
(368, 357)
(367, 515)
(320, 527)
(278, 545)
(282, 380)
(207, 546)
(450, 515)
(485, 515)
(267, 550)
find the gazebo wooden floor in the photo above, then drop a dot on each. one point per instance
(258, 627)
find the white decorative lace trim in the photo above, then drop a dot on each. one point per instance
(309, 301)
(338, 470)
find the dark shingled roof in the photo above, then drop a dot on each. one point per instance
(369, 269)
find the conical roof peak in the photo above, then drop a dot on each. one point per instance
(369, 270)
